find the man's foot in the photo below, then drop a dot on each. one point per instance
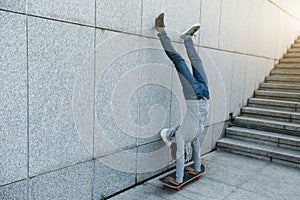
(163, 134)
(159, 22)
(191, 31)
(171, 180)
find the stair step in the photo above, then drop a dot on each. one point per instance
(264, 137)
(293, 50)
(289, 96)
(274, 104)
(271, 114)
(295, 45)
(269, 125)
(285, 71)
(283, 79)
(287, 66)
(291, 55)
(290, 60)
(281, 87)
(277, 154)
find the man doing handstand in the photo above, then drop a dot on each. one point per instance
(196, 94)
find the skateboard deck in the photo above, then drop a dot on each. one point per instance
(187, 177)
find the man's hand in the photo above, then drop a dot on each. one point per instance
(171, 180)
(190, 170)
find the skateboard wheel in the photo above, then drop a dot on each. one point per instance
(198, 177)
(178, 188)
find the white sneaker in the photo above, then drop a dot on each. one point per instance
(191, 31)
(163, 134)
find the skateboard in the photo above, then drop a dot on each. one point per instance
(187, 177)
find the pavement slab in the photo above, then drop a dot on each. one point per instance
(228, 177)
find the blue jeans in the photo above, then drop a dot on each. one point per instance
(194, 86)
(195, 90)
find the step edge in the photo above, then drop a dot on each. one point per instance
(271, 111)
(276, 137)
(266, 120)
(261, 147)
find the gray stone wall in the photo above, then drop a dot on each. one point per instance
(86, 87)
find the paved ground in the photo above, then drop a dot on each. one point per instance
(228, 176)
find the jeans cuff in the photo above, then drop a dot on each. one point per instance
(161, 34)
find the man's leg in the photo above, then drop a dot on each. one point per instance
(188, 81)
(197, 65)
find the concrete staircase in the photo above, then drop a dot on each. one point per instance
(269, 126)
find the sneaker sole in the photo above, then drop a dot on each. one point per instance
(191, 31)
